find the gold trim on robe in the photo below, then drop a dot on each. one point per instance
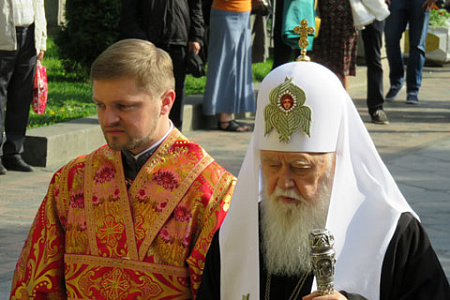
(90, 277)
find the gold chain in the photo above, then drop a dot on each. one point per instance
(295, 292)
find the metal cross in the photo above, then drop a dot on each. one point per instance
(304, 30)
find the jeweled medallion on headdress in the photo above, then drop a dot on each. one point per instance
(287, 111)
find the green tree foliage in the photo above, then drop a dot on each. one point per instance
(91, 26)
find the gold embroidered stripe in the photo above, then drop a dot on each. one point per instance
(172, 203)
(96, 262)
(90, 277)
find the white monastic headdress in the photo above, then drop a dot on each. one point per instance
(365, 201)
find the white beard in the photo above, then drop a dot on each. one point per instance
(285, 230)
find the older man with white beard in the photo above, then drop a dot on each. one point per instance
(287, 215)
(312, 164)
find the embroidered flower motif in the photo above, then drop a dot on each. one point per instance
(182, 214)
(142, 196)
(160, 206)
(114, 197)
(179, 150)
(96, 201)
(165, 236)
(111, 231)
(105, 174)
(167, 179)
(117, 284)
(77, 200)
(82, 226)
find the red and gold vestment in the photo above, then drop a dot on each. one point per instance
(94, 238)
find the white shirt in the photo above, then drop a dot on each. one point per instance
(23, 12)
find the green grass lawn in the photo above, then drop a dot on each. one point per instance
(70, 97)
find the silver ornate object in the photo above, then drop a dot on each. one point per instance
(323, 260)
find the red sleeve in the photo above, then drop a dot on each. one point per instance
(39, 272)
(216, 211)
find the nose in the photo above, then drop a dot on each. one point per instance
(110, 117)
(285, 180)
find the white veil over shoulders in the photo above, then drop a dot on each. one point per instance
(365, 201)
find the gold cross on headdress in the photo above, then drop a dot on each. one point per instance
(303, 30)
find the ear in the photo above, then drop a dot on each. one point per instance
(167, 100)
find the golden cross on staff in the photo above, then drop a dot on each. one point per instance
(304, 30)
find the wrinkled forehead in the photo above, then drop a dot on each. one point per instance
(319, 159)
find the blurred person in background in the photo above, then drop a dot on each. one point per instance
(415, 14)
(229, 81)
(23, 36)
(176, 26)
(335, 47)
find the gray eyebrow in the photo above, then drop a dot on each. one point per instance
(301, 162)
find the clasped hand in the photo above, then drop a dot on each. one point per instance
(335, 296)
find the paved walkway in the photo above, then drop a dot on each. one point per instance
(415, 147)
